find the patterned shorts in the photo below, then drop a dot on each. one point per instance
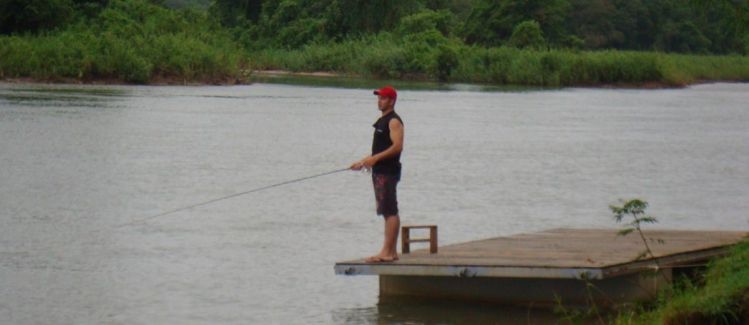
(384, 189)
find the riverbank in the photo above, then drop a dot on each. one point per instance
(333, 79)
(718, 296)
(389, 59)
(138, 43)
(655, 71)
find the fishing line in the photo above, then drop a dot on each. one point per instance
(231, 196)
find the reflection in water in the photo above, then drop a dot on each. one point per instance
(423, 311)
(364, 83)
(66, 96)
(75, 90)
(366, 315)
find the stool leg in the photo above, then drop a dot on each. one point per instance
(433, 240)
(405, 240)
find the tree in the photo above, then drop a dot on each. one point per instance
(528, 34)
(178, 4)
(682, 37)
(33, 15)
(442, 21)
(445, 62)
(725, 23)
(352, 17)
(492, 21)
(90, 8)
(593, 21)
(234, 12)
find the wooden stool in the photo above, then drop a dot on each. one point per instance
(406, 238)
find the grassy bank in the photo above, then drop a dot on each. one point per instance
(129, 41)
(722, 297)
(380, 58)
(137, 42)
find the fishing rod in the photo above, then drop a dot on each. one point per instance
(231, 196)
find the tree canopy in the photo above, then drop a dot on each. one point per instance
(687, 26)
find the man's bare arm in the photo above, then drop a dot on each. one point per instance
(396, 136)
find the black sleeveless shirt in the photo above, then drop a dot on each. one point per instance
(381, 142)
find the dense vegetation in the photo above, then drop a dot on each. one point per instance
(533, 42)
(720, 297)
(665, 25)
(132, 41)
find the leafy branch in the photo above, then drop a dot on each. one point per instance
(635, 208)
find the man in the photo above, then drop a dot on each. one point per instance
(387, 145)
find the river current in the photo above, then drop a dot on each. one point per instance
(82, 167)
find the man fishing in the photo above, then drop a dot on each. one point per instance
(384, 161)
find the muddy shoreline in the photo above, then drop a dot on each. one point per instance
(264, 75)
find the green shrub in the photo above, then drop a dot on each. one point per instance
(339, 57)
(442, 21)
(300, 32)
(14, 51)
(132, 41)
(445, 62)
(551, 65)
(528, 34)
(723, 299)
(499, 62)
(385, 63)
(420, 50)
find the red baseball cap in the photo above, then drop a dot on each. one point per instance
(387, 91)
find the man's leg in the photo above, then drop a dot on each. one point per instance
(390, 245)
(387, 205)
(389, 251)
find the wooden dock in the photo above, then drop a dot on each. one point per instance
(546, 266)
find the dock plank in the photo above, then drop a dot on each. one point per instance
(558, 249)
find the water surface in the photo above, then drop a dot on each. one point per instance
(80, 164)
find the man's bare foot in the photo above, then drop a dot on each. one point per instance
(381, 258)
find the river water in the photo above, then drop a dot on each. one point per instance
(83, 166)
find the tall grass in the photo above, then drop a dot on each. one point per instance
(131, 41)
(556, 67)
(683, 69)
(383, 58)
(723, 299)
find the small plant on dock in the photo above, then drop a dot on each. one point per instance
(636, 209)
